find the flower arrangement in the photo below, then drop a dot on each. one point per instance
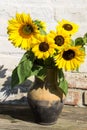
(43, 50)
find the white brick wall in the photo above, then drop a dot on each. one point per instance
(47, 10)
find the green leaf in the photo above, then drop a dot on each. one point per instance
(38, 23)
(42, 31)
(79, 41)
(39, 71)
(77, 69)
(23, 58)
(23, 70)
(72, 43)
(14, 78)
(63, 85)
(21, 73)
(49, 62)
(85, 38)
(41, 74)
(82, 48)
(60, 75)
(40, 27)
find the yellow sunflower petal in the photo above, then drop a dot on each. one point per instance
(45, 46)
(70, 58)
(22, 28)
(61, 38)
(67, 26)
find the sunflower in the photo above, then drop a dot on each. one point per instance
(68, 26)
(70, 58)
(61, 38)
(22, 30)
(44, 47)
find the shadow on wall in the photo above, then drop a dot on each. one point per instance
(2, 71)
(6, 91)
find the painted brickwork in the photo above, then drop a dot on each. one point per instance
(50, 11)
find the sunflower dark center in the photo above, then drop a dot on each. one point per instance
(68, 55)
(67, 27)
(27, 29)
(43, 46)
(59, 40)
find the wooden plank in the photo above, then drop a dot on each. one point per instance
(14, 117)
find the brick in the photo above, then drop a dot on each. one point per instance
(76, 80)
(50, 11)
(85, 98)
(74, 97)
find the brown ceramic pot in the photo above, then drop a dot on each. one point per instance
(46, 99)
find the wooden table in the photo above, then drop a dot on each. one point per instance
(14, 117)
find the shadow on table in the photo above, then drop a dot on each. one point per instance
(12, 112)
(14, 108)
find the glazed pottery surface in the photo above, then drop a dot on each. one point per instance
(46, 99)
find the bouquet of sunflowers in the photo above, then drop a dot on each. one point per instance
(43, 50)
